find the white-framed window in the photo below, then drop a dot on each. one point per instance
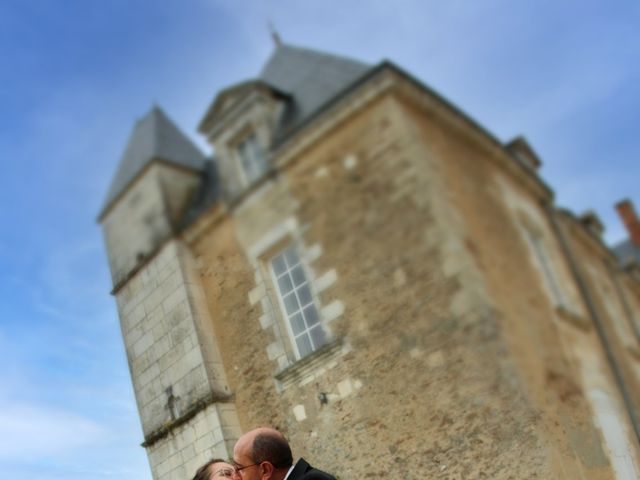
(296, 301)
(548, 270)
(252, 158)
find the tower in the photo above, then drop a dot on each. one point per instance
(179, 383)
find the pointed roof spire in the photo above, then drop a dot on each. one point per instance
(154, 137)
(275, 36)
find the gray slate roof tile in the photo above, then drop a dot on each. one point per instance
(310, 77)
(154, 137)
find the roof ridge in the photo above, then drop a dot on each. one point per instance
(311, 51)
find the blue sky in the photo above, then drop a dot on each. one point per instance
(76, 74)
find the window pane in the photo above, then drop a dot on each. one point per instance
(291, 303)
(252, 158)
(311, 315)
(278, 264)
(256, 151)
(300, 312)
(304, 294)
(318, 337)
(297, 324)
(285, 284)
(292, 257)
(298, 275)
(304, 345)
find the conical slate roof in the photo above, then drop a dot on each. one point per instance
(154, 137)
(310, 77)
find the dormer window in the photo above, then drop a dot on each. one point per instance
(252, 158)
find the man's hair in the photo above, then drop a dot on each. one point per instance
(203, 471)
(273, 448)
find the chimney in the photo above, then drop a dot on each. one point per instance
(630, 218)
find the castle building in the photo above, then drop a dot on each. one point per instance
(366, 268)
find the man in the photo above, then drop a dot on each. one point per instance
(216, 469)
(264, 454)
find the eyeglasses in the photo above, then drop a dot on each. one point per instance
(238, 468)
(224, 472)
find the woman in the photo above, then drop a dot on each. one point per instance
(216, 469)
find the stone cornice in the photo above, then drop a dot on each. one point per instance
(195, 408)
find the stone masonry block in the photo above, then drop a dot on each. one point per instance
(149, 374)
(137, 315)
(325, 281)
(143, 344)
(161, 346)
(134, 335)
(176, 297)
(228, 415)
(266, 321)
(204, 443)
(195, 380)
(193, 358)
(299, 412)
(165, 272)
(163, 468)
(274, 350)
(213, 420)
(312, 253)
(256, 294)
(200, 427)
(170, 284)
(178, 473)
(265, 303)
(283, 362)
(332, 311)
(188, 452)
(217, 435)
(141, 362)
(152, 301)
(345, 388)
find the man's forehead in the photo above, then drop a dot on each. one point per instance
(243, 443)
(239, 451)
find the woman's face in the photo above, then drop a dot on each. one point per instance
(221, 471)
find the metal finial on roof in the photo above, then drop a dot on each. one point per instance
(274, 35)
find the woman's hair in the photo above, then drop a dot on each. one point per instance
(203, 472)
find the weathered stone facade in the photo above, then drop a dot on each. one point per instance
(473, 330)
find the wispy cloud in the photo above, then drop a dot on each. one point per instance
(29, 432)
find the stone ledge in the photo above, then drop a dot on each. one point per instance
(573, 318)
(197, 407)
(634, 350)
(141, 262)
(310, 364)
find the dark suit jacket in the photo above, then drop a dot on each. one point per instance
(303, 471)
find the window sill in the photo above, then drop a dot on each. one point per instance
(313, 365)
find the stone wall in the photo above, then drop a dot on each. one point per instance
(551, 340)
(179, 382)
(210, 434)
(422, 379)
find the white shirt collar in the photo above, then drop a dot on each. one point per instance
(289, 472)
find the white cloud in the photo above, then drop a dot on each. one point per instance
(29, 432)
